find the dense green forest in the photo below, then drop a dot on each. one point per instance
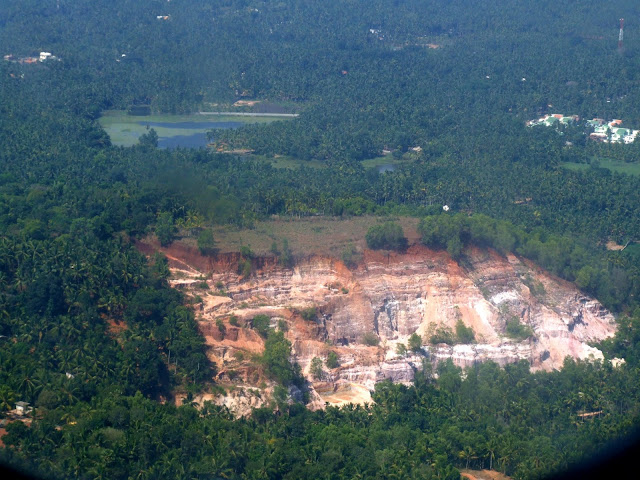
(93, 337)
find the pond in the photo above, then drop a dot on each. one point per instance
(196, 139)
(174, 131)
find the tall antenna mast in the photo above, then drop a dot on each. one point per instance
(621, 36)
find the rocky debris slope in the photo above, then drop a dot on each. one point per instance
(384, 300)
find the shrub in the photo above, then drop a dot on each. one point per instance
(349, 256)
(537, 288)
(517, 331)
(454, 248)
(332, 360)
(388, 236)
(233, 320)
(370, 339)
(244, 268)
(464, 334)
(221, 327)
(401, 349)
(316, 368)
(309, 313)
(442, 335)
(415, 342)
(206, 242)
(286, 259)
(261, 325)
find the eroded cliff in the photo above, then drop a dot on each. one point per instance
(387, 298)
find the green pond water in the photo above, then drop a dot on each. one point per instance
(184, 131)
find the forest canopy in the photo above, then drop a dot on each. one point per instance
(92, 336)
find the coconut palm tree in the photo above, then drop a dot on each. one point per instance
(468, 454)
(7, 398)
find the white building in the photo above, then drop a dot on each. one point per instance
(22, 408)
(554, 119)
(612, 132)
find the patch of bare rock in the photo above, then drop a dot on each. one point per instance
(387, 298)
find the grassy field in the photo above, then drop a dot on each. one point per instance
(124, 130)
(317, 235)
(614, 166)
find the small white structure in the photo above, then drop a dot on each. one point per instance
(22, 408)
(445, 208)
(554, 119)
(45, 56)
(616, 362)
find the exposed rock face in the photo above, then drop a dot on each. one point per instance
(390, 297)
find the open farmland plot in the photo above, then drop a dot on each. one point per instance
(320, 235)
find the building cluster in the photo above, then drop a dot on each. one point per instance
(611, 131)
(603, 131)
(554, 119)
(43, 57)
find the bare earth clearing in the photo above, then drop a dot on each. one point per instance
(483, 475)
(386, 297)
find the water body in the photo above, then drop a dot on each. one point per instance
(174, 131)
(192, 125)
(192, 140)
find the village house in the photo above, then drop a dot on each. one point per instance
(22, 408)
(602, 131)
(611, 131)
